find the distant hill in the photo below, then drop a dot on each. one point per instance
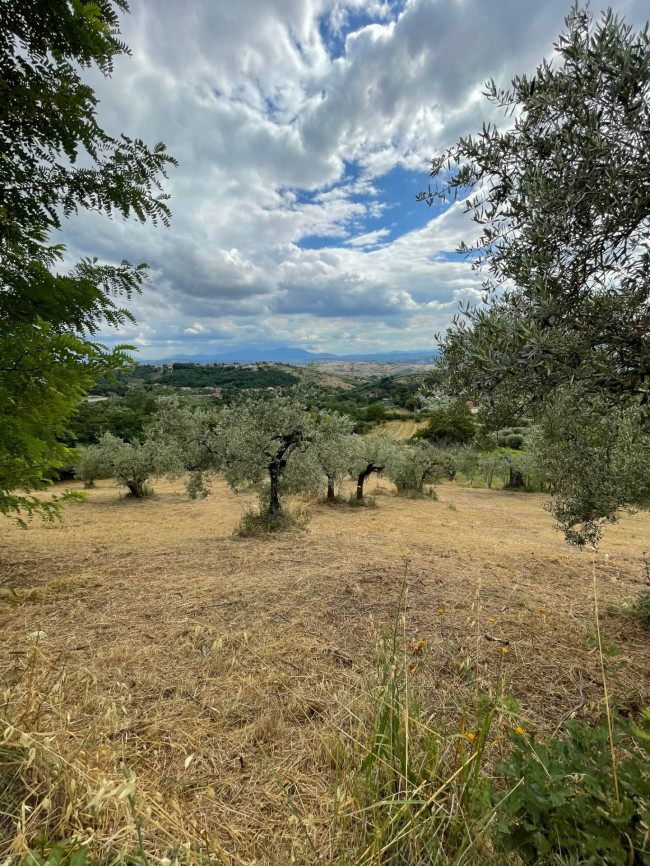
(289, 355)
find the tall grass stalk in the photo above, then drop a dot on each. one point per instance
(418, 794)
(608, 711)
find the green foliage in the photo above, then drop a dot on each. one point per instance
(62, 852)
(131, 463)
(42, 376)
(561, 804)
(89, 465)
(368, 455)
(514, 441)
(563, 201)
(185, 375)
(56, 160)
(642, 607)
(453, 425)
(262, 522)
(517, 470)
(599, 462)
(398, 391)
(280, 439)
(418, 792)
(411, 467)
(331, 449)
(375, 413)
(468, 461)
(126, 417)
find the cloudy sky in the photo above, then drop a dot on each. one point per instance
(303, 130)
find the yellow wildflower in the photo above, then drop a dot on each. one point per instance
(413, 669)
(441, 610)
(519, 729)
(504, 649)
(470, 736)
(491, 619)
(541, 610)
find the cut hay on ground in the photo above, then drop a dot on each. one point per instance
(221, 670)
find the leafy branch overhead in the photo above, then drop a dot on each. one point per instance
(562, 202)
(56, 161)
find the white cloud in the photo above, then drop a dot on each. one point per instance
(369, 239)
(286, 116)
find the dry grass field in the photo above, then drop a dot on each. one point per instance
(399, 429)
(225, 671)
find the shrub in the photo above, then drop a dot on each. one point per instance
(514, 441)
(411, 467)
(375, 413)
(263, 522)
(424, 493)
(453, 425)
(366, 502)
(562, 802)
(642, 607)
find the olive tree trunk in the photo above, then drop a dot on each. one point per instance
(362, 478)
(275, 504)
(136, 488)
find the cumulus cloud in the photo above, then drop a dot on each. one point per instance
(287, 118)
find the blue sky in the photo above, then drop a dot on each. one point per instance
(303, 130)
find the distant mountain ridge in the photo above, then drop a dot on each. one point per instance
(289, 355)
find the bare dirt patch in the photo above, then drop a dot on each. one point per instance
(212, 665)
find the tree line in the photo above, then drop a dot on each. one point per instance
(561, 197)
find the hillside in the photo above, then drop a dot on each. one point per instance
(399, 429)
(369, 369)
(215, 666)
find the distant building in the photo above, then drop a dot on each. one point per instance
(93, 398)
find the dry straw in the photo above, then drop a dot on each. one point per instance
(208, 667)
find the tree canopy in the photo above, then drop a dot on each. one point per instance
(56, 161)
(562, 199)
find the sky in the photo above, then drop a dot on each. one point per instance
(303, 131)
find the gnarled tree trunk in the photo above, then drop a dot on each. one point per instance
(370, 468)
(515, 479)
(274, 473)
(136, 488)
(331, 496)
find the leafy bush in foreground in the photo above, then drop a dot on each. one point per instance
(563, 803)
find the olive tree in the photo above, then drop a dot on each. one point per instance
(260, 437)
(89, 464)
(132, 463)
(332, 448)
(412, 466)
(196, 434)
(562, 199)
(370, 454)
(602, 459)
